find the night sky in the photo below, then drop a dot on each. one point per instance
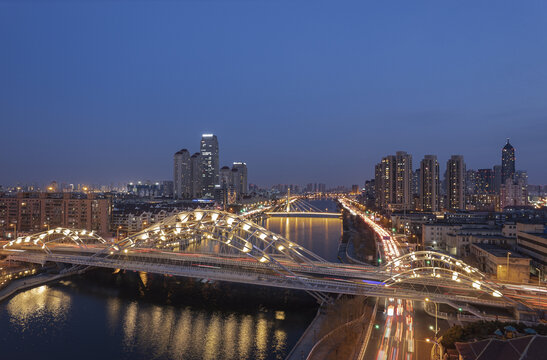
(303, 91)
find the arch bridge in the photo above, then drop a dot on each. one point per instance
(222, 246)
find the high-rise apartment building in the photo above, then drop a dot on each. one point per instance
(507, 162)
(513, 193)
(209, 164)
(403, 180)
(485, 181)
(471, 179)
(521, 176)
(385, 181)
(196, 175)
(182, 181)
(242, 177)
(455, 183)
(429, 183)
(393, 181)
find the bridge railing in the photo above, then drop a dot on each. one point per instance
(247, 276)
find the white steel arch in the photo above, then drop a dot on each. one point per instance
(47, 240)
(231, 231)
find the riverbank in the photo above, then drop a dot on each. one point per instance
(26, 283)
(307, 341)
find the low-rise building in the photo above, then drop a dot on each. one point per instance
(532, 241)
(459, 240)
(502, 263)
(435, 235)
(30, 212)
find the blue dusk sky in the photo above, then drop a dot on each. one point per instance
(303, 91)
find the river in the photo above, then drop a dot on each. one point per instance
(140, 316)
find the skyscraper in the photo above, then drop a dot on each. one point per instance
(209, 164)
(485, 181)
(385, 181)
(196, 175)
(471, 179)
(393, 181)
(507, 162)
(403, 180)
(455, 183)
(429, 183)
(225, 177)
(242, 177)
(181, 175)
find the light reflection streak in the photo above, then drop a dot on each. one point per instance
(41, 301)
(261, 337)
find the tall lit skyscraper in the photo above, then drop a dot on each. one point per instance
(455, 183)
(196, 175)
(182, 181)
(209, 164)
(403, 180)
(393, 181)
(507, 162)
(242, 177)
(385, 181)
(429, 183)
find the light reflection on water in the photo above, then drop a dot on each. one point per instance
(26, 307)
(162, 332)
(320, 235)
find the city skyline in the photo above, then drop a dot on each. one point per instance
(300, 103)
(242, 180)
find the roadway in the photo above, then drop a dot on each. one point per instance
(405, 331)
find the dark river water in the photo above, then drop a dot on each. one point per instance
(101, 315)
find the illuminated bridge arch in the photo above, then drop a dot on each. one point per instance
(235, 235)
(431, 268)
(431, 259)
(60, 236)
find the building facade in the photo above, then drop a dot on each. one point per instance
(209, 164)
(34, 212)
(502, 263)
(182, 181)
(196, 176)
(532, 241)
(455, 183)
(485, 182)
(242, 187)
(507, 162)
(393, 182)
(429, 184)
(403, 180)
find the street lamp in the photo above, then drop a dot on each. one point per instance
(436, 311)
(46, 225)
(434, 341)
(539, 276)
(118, 233)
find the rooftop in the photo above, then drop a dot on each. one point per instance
(498, 251)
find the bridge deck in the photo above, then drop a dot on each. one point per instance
(304, 214)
